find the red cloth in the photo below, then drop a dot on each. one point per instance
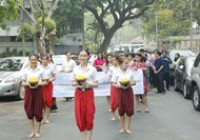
(33, 103)
(84, 109)
(141, 65)
(47, 94)
(113, 98)
(126, 102)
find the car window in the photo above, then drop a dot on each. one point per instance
(197, 61)
(11, 64)
(181, 62)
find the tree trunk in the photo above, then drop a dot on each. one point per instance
(106, 43)
(40, 46)
(108, 37)
(51, 44)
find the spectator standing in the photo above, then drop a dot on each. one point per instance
(166, 70)
(99, 62)
(68, 67)
(158, 70)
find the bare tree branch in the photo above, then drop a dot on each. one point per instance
(29, 14)
(31, 5)
(98, 18)
(130, 16)
(112, 10)
(53, 8)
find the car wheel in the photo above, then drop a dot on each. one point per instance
(175, 85)
(21, 92)
(185, 94)
(196, 98)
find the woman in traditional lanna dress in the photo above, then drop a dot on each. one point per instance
(84, 78)
(49, 77)
(123, 80)
(33, 101)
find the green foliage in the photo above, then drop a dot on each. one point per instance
(196, 11)
(9, 10)
(172, 19)
(49, 24)
(69, 17)
(26, 31)
(89, 45)
(112, 14)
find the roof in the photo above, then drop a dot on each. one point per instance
(138, 39)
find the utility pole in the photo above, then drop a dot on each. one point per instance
(191, 29)
(157, 32)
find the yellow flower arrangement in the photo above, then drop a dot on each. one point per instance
(124, 80)
(33, 80)
(81, 77)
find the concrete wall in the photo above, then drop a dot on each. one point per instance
(4, 46)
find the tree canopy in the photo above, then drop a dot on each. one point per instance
(69, 17)
(9, 11)
(167, 18)
(120, 11)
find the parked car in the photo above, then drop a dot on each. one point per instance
(196, 83)
(183, 76)
(183, 53)
(10, 76)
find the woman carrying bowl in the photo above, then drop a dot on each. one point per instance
(123, 80)
(49, 76)
(33, 101)
(113, 89)
(138, 65)
(84, 78)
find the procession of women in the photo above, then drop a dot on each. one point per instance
(122, 78)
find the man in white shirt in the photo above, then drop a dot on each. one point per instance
(69, 64)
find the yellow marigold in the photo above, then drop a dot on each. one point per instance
(81, 77)
(33, 80)
(124, 80)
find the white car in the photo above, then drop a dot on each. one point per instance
(184, 53)
(10, 76)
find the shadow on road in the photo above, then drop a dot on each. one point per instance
(8, 99)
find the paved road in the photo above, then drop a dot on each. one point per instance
(171, 118)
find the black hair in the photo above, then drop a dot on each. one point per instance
(45, 56)
(158, 53)
(120, 60)
(67, 53)
(85, 50)
(165, 51)
(141, 50)
(175, 59)
(132, 55)
(107, 58)
(138, 54)
(102, 55)
(35, 55)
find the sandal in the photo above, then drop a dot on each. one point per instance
(37, 135)
(31, 135)
(121, 131)
(113, 119)
(128, 131)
